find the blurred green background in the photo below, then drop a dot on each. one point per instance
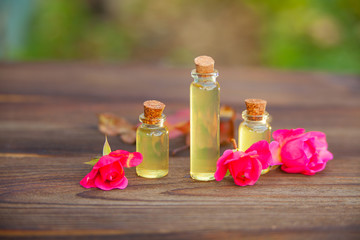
(321, 35)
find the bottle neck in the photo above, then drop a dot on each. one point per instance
(204, 78)
(255, 119)
(152, 122)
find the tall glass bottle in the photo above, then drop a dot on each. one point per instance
(152, 141)
(255, 126)
(204, 120)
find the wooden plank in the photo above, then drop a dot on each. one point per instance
(48, 128)
(45, 193)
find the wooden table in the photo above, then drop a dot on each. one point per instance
(48, 129)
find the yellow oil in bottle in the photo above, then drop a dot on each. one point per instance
(251, 132)
(248, 136)
(153, 143)
(204, 128)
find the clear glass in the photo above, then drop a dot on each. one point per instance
(204, 125)
(152, 141)
(254, 129)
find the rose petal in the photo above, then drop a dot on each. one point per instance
(293, 157)
(320, 139)
(120, 182)
(245, 171)
(88, 180)
(123, 183)
(237, 155)
(222, 168)
(274, 147)
(119, 154)
(105, 160)
(132, 160)
(283, 135)
(325, 155)
(315, 165)
(104, 185)
(112, 172)
(309, 147)
(263, 152)
(178, 123)
(255, 172)
(174, 133)
(128, 159)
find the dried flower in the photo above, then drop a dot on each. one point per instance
(112, 125)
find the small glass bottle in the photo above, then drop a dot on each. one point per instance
(152, 141)
(204, 120)
(255, 126)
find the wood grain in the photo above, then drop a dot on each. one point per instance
(48, 128)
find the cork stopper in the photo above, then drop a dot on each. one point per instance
(255, 107)
(204, 64)
(152, 111)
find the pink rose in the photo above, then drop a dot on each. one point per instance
(245, 167)
(108, 173)
(300, 152)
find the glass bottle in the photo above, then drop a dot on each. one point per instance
(255, 126)
(152, 141)
(204, 120)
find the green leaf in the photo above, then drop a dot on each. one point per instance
(106, 148)
(106, 151)
(93, 161)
